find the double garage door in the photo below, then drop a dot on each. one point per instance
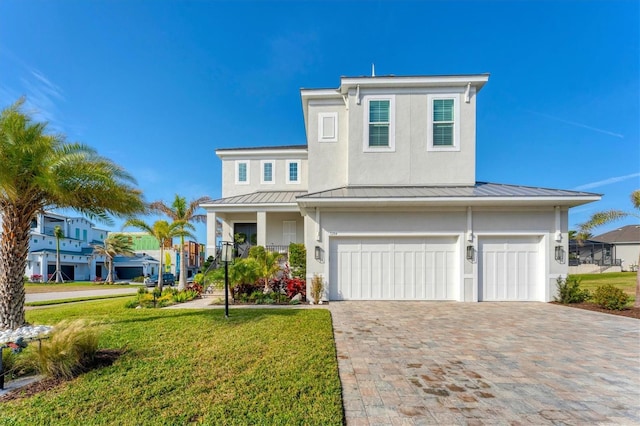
(394, 269)
(429, 269)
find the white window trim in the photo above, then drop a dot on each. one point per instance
(273, 172)
(288, 173)
(321, 136)
(392, 123)
(456, 122)
(238, 182)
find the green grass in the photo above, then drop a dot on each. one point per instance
(262, 366)
(623, 280)
(32, 288)
(74, 300)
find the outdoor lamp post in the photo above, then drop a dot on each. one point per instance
(226, 256)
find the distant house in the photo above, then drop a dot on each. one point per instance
(384, 196)
(77, 261)
(626, 243)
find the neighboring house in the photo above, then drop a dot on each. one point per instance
(77, 261)
(590, 257)
(626, 244)
(147, 251)
(384, 196)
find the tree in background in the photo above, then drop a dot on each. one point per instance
(112, 246)
(602, 218)
(163, 232)
(38, 171)
(58, 233)
(180, 211)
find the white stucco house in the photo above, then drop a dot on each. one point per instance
(626, 245)
(384, 196)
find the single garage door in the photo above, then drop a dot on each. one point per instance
(509, 269)
(394, 269)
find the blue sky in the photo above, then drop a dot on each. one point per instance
(157, 86)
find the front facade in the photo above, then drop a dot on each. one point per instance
(384, 196)
(626, 245)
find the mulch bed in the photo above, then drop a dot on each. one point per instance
(629, 312)
(103, 358)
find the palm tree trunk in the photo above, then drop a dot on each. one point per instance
(58, 272)
(109, 279)
(14, 248)
(161, 271)
(636, 304)
(182, 284)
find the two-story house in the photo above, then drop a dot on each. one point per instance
(384, 196)
(77, 260)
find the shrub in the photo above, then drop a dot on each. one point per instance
(36, 278)
(610, 297)
(298, 260)
(242, 291)
(132, 304)
(137, 280)
(296, 286)
(71, 347)
(569, 291)
(317, 288)
(195, 288)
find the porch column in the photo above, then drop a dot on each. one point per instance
(212, 226)
(261, 225)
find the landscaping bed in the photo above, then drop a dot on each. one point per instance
(629, 312)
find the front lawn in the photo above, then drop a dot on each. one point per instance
(262, 366)
(623, 280)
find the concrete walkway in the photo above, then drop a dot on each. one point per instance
(406, 363)
(39, 297)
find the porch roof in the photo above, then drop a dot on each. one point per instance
(482, 193)
(264, 199)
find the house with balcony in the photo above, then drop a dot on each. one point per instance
(385, 198)
(77, 261)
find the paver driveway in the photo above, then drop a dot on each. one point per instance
(486, 363)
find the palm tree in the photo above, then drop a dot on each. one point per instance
(112, 246)
(58, 233)
(601, 218)
(38, 171)
(163, 232)
(180, 211)
(269, 263)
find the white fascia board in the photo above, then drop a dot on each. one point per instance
(450, 201)
(261, 153)
(476, 80)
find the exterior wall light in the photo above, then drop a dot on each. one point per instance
(559, 254)
(471, 253)
(318, 253)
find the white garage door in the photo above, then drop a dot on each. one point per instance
(394, 269)
(509, 269)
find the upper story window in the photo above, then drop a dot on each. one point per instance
(77, 233)
(328, 127)
(268, 171)
(444, 123)
(379, 131)
(242, 172)
(84, 235)
(293, 171)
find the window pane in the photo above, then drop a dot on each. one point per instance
(328, 127)
(378, 111)
(268, 172)
(293, 172)
(443, 134)
(443, 110)
(378, 135)
(242, 172)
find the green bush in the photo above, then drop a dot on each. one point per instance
(71, 347)
(569, 291)
(610, 297)
(132, 304)
(298, 260)
(138, 280)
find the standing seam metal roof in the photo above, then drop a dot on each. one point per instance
(260, 197)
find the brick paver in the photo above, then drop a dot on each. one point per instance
(415, 363)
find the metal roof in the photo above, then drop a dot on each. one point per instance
(480, 189)
(625, 234)
(262, 148)
(261, 197)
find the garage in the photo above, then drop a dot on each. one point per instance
(402, 268)
(509, 269)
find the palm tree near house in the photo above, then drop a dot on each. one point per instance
(40, 170)
(181, 211)
(112, 246)
(163, 232)
(269, 263)
(602, 218)
(58, 233)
